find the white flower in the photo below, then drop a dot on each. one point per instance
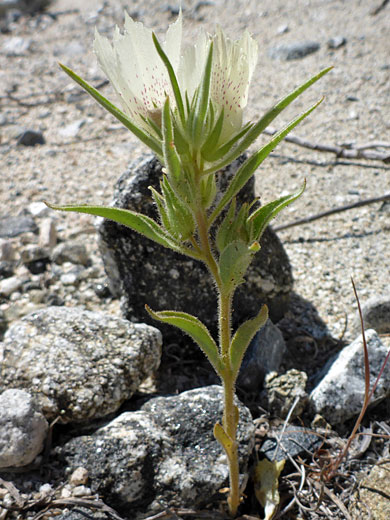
(141, 80)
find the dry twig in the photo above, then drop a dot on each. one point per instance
(329, 212)
(349, 151)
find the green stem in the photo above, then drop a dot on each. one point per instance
(230, 413)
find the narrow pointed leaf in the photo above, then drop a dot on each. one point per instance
(147, 139)
(203, 100)
(245, 172)
(195, 329)
(223, 233)
(263, 215)
(212, 140)
(223, 439)
(159, 201)
(243, 336)
(226, 147)
(172, 77)
(267, 119)
(171, 158)
(135, 221)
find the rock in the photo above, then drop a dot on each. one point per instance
(293, 51)
(32, 252)
(10, 285)
(16, 46)
(35, 258)
(339, 395)
(38, 209)
(376, 315)
(6, 269)
(7, 251)
(14, 226)
(29, 6)
(23, 429)
(163, 455)
(31, 138)
(294, 441)
(283, 390)
(72, 129)
(48, 234)
(79, 477)
(373, 494)
(79, 364)
(70, 251)
(264, 355)
(336, 42)
(142, 272)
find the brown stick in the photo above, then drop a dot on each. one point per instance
(332, 212)
(346, 151)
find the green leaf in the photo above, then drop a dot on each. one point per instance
(212, 140)
(233, 264)
(256, 129)
(227, 147)
(245, 172)
(202, 102)
(147, 139)
(243, 337)
(171, 158)
(223, 234)
(135, 221)
(172, 77)
(159, 201)
(224, 439)
(263, 215)
(181, 221)
(196, 330)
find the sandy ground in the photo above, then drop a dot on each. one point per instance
(356, 109)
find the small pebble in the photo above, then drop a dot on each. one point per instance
(30, 138)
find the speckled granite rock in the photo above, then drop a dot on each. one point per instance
(164, 454)
(23, 429)
(144, 272)
(339, 395)
(79, 364)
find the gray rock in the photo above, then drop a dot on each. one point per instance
(336, 42)
(48, 233)
(14, 226)
(16, 46)
(264, 355)
(164, 454)
(7, 251)
(31, 138)
(293, 51)
(285, 391)
(23, 429)
(33, 252)
(29, 6)
(79, 364)
(339, 395)
(376, 315)
(6, 269)
(144, 272)
(294, 441)
(70, 251)
(10, 285)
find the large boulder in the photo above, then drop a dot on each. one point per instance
(162, 455)
(78, 364)
(141, 271)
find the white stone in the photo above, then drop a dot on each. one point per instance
(10, 285)
(23, 429)
(339, 395)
